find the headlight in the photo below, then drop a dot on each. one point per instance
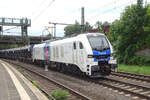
(112, 55)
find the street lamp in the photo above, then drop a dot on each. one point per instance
(46, 29)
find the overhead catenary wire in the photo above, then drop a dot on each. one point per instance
(109, 10)
(105, 5)
(85, 1)
(14, 32)
(38, 8)
(43, 11)
(7, 30)
(82, 5)
(10, 28)
(101, 7)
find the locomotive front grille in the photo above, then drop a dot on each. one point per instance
(101, 56)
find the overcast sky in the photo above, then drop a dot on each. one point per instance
(62, 11)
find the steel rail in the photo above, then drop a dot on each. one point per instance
(81, 96)
(108, 82)
(132, 76)
(111, 83)
(129, 73)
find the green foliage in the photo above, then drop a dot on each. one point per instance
(101, 26)
(98, 25)
(76, 28)
(138, 60)
(60, 94)
(21, 70)
(148, 40)
(87, 27)
(128, 54)
(35, 83)
(72, 29)
(147, 28)
(113, 35)
(135, 69)
(128, 34)
(49, 35)
(8, 46)
(139, 3)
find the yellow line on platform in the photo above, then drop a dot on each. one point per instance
(23, 94)
(38, 94)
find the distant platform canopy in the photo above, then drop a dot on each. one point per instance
(15, 22)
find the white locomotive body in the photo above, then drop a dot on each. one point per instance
(90, 53)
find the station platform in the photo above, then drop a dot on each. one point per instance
(14, 86)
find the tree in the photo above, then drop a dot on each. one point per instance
(76, 28)
(102, 27)
(49, 35)
(129, 32)
(139, 3)
(8, 46)
(105, 27)
(72, 29)
(87, 27)
(114, 31)
(147, 27)
(98, 25)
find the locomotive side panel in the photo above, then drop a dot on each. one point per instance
(38, 52)
(61, 52)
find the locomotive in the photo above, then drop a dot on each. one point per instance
(88, 53)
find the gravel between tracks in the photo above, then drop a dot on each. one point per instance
(94, 91)
(45, 84)
(134, 81)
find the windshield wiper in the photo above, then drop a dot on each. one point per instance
(101, 49)
(106, 48)
(95, 48)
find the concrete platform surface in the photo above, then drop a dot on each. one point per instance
(14, 86)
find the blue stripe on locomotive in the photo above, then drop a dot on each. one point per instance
(31, 47)
(98, 53)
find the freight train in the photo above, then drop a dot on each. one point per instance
(90, 54)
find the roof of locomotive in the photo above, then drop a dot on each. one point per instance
(75, 38)
(57, 41)
(74, 35)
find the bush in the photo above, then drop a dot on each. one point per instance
(60, 94)
(137, 60)
(148, 41)
(35, 83)
(21, 70)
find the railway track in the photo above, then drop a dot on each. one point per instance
(145, 78)
(70, 90)
(136, 91)
(130, 89)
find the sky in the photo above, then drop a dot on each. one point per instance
(41, 12)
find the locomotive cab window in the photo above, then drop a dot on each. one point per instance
(74, 45)
(81, 45)
(98, 42)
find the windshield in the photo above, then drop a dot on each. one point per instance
(98, 42)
